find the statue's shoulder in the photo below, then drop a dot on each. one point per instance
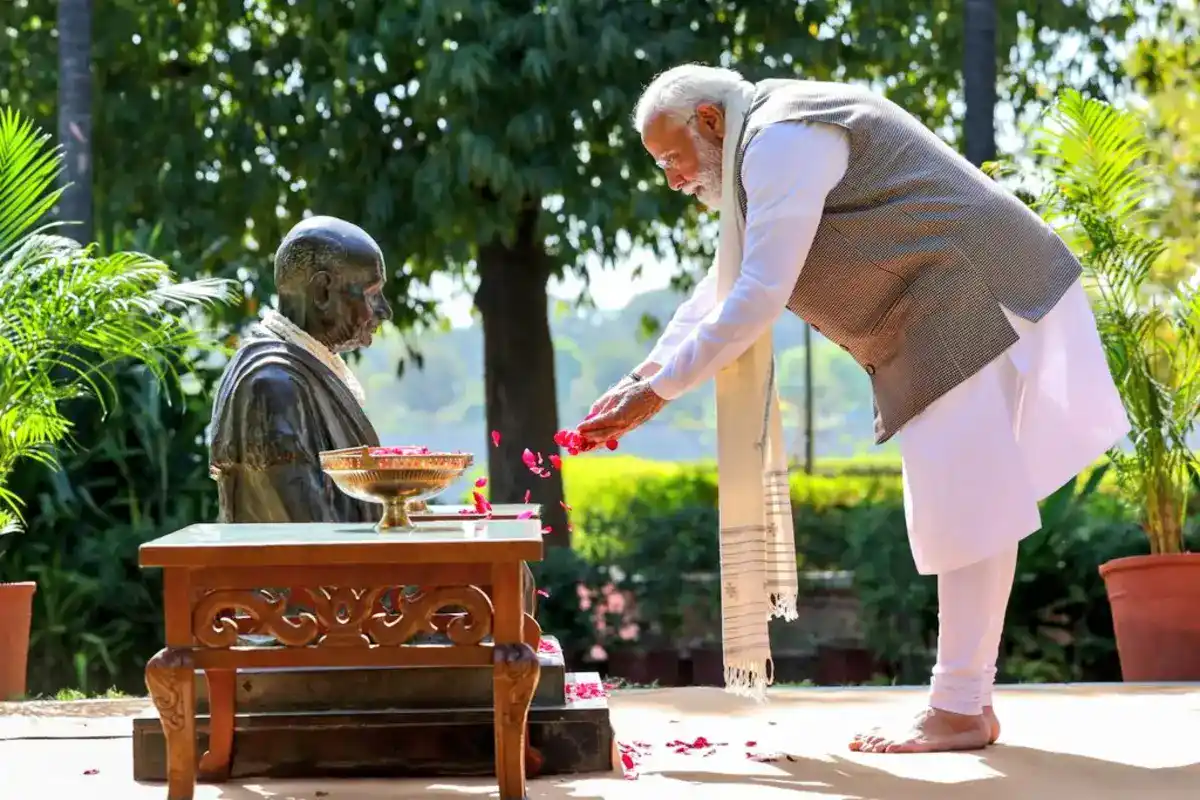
(265, 366)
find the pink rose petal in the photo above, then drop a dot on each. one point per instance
(495, 438)
(525, 515)
(403, 450)
(482, 482)
(556, 462)
(527, 493)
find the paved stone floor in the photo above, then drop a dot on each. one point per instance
(1088, 742)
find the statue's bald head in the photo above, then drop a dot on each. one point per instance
(329, 275)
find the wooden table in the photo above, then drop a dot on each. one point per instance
(213, 593)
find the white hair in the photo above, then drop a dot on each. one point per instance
(680, 90)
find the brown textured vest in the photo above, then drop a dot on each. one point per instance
(916, 252)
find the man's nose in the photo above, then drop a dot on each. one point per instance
(675, 179)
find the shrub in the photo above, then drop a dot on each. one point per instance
(653, 531)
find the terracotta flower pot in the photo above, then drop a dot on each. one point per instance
(16, 610)
(1156, 615)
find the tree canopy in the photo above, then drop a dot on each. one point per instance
(486, 139)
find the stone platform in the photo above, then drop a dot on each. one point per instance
(386, 722)
(372, 688)
(573, 738)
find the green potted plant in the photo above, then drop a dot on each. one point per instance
(1098, 196)
(68, 314)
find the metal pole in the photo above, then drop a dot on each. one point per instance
(808, 400)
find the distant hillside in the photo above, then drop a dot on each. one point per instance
(441, 404)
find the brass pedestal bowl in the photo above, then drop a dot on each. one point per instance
(397, 478)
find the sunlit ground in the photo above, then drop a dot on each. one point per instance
(1094, 742)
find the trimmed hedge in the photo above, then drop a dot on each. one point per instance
(644, 528)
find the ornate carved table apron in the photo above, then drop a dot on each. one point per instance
(212, 579)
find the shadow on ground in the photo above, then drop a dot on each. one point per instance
(1020, 772)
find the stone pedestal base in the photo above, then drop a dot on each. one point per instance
(575, 737)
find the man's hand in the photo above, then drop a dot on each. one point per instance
(645, 370)
(630, 406)
(610, 397)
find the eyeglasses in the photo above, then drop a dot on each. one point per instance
(669, 162)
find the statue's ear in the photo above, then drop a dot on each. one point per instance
(321, 285)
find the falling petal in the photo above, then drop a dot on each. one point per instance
(482, 482)
(556, 462)
(543, 593)
(495, 438)
(525, 515)
(527, 493)
(611, 444)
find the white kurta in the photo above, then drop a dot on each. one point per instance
(977, 461)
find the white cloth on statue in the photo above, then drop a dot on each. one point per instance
(978, 460)
(279, 327)
(789, 169)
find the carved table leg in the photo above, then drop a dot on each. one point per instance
(515, 680)
(222, 696)
(171, 680)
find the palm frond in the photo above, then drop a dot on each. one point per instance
(69, 313)
(1102, 182)
(28, 170)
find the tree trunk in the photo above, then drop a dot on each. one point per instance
(75, 117)
(979, 80)
(518, 366)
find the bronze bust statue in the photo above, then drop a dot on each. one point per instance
(287, 394)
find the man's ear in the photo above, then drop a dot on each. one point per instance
(710, 119)
(321, 289)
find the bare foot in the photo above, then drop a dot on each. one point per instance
(933, 731)
(989, 715)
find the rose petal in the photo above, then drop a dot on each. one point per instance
(611, 444)
(556, 462)
(525, 515)
(543, 593)
(482, 482)
(495, 438)
(527, 493)
(529, 458)
(403, 450)
(547, 529)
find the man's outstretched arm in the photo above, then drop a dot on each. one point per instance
(789, 170)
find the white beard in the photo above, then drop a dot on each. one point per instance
(707, 185)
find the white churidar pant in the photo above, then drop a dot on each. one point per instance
(976, 464)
